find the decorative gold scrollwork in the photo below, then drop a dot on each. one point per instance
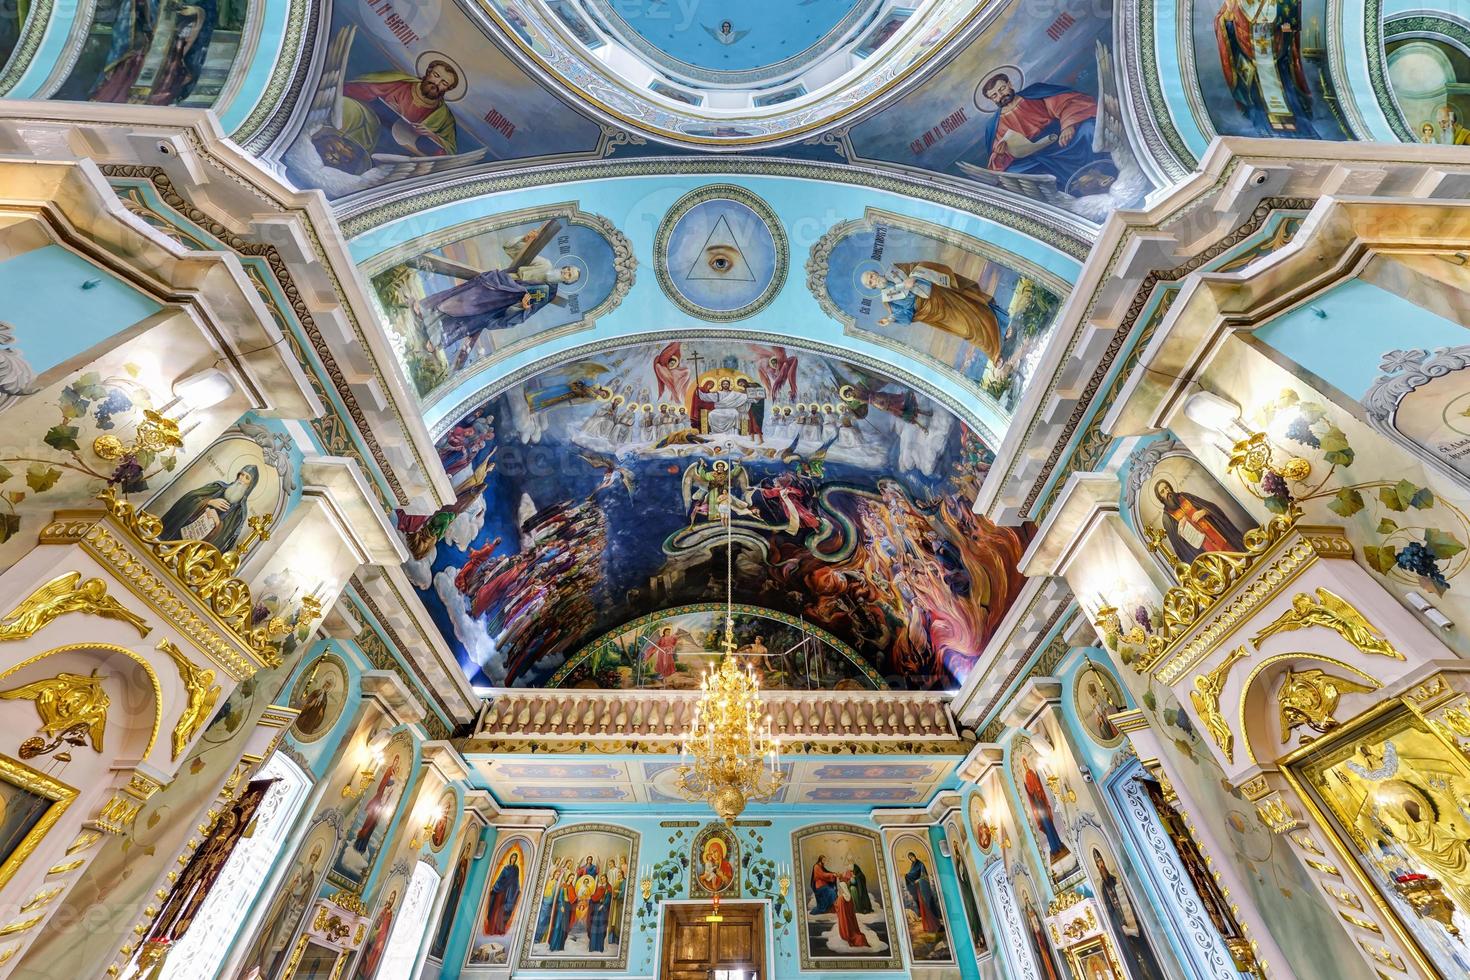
(66, 593)
(1330, 611)
(203, 694)
(1310, 697)
(72, 708)
(1205, 581)
(1206, 700)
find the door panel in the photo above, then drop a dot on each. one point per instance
(693, 946)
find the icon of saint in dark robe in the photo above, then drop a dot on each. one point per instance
(214, 513)
(1194, 525)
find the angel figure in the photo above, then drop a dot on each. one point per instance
(389, 121)
(715, 492)
(1310, 697)
(203, 693)
(497, 299)
(66, 593)
(67, 703)
(1333, 612)
(660, 651)
(613, 472)
(725, 33)
(1206, 700)
(776, 369)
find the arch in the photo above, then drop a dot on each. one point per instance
(136, 658)
(1251, 716)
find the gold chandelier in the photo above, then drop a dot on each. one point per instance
(728, 758)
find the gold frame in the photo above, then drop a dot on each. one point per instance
(305, 940)
(1289, 765)
(33, 781)
(1089, 947)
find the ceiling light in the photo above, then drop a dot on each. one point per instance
(1210, 411)
(203, 389)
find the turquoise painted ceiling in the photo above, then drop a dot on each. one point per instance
(729, 37)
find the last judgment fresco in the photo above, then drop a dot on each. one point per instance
(593, 490)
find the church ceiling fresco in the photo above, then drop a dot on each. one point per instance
(1029, 106)
(1263, 69)
(498, 285)
(945, 296)
(416, 90)
(587, 494)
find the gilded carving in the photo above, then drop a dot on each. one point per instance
(1277, 816)
(66, 593)
(1330, 611)
(1310, 698)
(1206, 700)
(203, 693)
(72, 707)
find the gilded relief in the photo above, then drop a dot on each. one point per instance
(1395, 796)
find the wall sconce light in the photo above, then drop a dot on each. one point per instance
(1210, 411)
(376, 749)
(424, 830)
(783, 878)
(1063, 790)
(203, 389)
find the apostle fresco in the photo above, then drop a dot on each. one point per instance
(498, 299)
(1194, 525)
(1447, 129)
(1045, 130)
(274, 942)
(1260, 47)
(214, 513)
(1045, 958)
(934, 294)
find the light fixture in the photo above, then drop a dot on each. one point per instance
(154, 434)
(203, 389)
(425, 830)
(732, 759)
(1210, 411)
(375, 749)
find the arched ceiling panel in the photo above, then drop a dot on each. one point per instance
(588, 493)
(632, 242)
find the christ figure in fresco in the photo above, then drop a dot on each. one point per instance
(1194, 526)
(731, 408)
(1260, 47)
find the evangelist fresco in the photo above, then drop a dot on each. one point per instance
(938, 294)
(156, 52)
(1048, 963)
(587, 876)
(1263, 69)
(1430, 81)
(1029, 106)
(844, 919)
(504, 894)
(669, 650)
(454, 304)
(414, 90)
(923, 909)
(601, 483)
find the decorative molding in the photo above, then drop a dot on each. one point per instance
(288, 78)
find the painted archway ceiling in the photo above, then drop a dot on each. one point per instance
(622, 259)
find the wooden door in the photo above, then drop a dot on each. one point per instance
(693, 946)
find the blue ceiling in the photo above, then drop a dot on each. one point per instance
(761, 33)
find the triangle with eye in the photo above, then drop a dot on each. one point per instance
(722, 259)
